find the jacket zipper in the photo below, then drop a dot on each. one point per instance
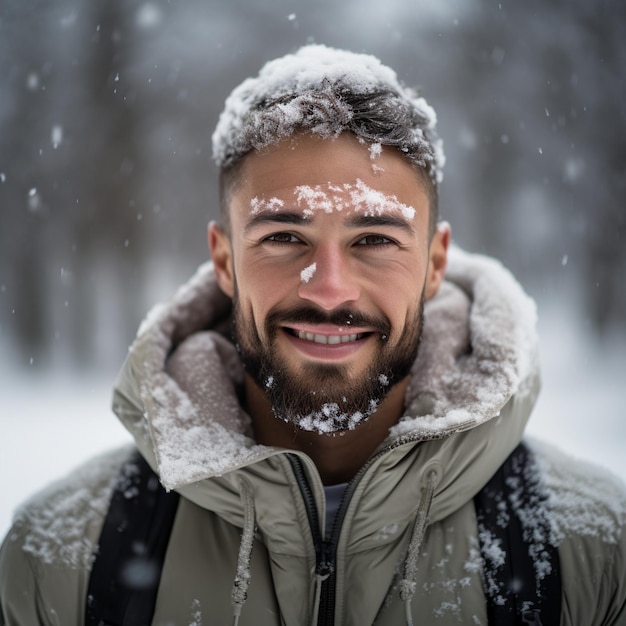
(326, 550)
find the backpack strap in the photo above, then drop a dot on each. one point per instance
(126, 572)
(521, 568)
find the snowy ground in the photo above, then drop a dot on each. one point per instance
(49, 424)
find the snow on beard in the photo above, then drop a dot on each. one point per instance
(325, 397)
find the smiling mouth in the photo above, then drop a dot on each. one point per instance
(331, 340)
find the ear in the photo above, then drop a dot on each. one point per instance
(222, 255)
(437, 259)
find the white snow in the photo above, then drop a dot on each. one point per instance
(372, 202)
(32, 81)
(330, 419)
(355, 197)
(257, 205)
(375, 150)
(56, 136)
(148, 15)
(307, 273)
(318, 199)
(585, 499)
(196, 615)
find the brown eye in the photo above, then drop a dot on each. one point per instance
(282, 238)
(374, 240)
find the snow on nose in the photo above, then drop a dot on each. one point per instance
(307, 273)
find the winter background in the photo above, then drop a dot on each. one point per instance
(106, 186)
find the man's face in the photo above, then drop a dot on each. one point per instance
(328, 265)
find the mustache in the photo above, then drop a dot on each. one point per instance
(337, 317)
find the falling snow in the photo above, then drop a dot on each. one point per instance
(56, 136)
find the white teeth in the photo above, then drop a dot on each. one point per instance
(327, 339)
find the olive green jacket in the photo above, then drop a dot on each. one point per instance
(243, 547)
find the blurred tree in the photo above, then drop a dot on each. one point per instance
(29, 76)
(543, 85)
(106, 221)
(604, 40)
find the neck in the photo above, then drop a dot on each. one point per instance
(337, 457)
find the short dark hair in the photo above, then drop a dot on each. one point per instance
(325, 91)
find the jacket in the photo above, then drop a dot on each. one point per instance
(245, 539)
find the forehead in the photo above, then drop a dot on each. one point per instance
(307, 172)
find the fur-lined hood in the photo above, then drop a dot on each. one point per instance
(178, 391)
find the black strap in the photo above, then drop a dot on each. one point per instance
(522, 571)
(126, 572)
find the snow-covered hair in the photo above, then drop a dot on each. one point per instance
(327, 91)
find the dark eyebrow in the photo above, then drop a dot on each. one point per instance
(354, 221)
(378, 221)
(279, 217)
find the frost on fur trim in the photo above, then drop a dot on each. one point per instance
(328, 91)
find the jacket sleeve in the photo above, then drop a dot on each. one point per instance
(37, 587)
(20, 603)
(46, 558)
(616, 583)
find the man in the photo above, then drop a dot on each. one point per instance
(335, 405)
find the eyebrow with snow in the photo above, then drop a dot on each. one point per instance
(357, 199)
(353, 221)
(277, 217)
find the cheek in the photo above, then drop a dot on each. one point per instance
(259, 293)
(401, 303)
(400, 285)
(267, 277)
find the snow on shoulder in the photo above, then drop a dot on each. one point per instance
(327, 91)
(584, 499)
(60, 524)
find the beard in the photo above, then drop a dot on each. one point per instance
(324, 397)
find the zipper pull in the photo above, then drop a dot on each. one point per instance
(325, 566)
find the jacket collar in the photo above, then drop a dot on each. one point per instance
(476, 376)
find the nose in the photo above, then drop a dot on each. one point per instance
(329, 281)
